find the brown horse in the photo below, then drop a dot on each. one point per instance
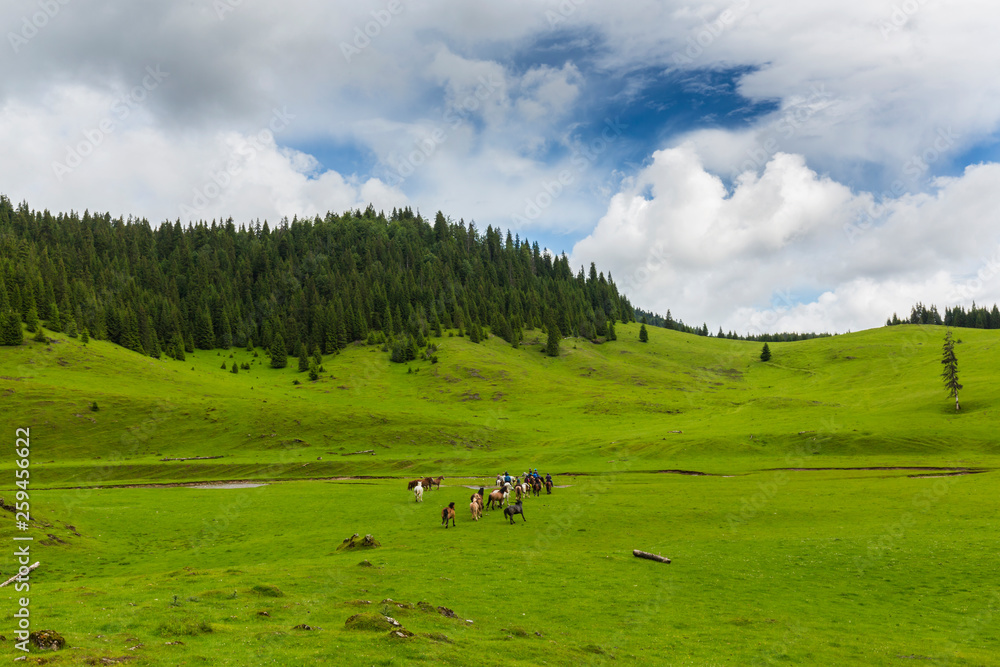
(548, 486)
(436, 481)
(496, 498)
(536, 486)
(476, 509)
(448, 513)
(413, 483)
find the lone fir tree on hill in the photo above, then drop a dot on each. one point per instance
(279, 358)
(765, 353)
(643, 334)
(950, 373)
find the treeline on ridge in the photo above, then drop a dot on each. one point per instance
(668, 322)
(976, 317)
(320, 283)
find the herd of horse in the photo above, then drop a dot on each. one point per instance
(497, 498)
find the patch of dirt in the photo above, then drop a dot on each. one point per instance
(948, 474)
(470, 397)
(688, 472)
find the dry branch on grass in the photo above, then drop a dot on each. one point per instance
(649, 556)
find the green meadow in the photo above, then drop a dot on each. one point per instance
(843, 512)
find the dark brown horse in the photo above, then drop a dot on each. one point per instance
(413, 483)
(448, 513)
(536, 486)
(548, 486)
(436, 481)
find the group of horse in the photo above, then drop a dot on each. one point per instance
(498, 498)
(418, 486)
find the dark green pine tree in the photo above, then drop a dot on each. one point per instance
(177, 347)
(204, 336)
(643, 334)
(313, 370)
(765, 353)
(317, 356)
(235, 369)
(950, 373)
(303, 358)
(85, 336)
(249, 344)
(31, 320)
(552, 346)
(279, 357)
(474, 333)
(10, 331)
(611, 331)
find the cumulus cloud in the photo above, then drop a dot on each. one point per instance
(83, 149)
(792, 250)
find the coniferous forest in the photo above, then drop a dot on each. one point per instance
(317, 284)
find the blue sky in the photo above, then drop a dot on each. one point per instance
(755, 164)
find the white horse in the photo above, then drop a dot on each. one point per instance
(418, 493)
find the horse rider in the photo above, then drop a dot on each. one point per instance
(548, 478)
(506, 477)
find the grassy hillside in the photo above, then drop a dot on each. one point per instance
(841, 566)
(677, 401)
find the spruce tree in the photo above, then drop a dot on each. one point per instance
(84, 336)
(611, 331)
(643, 334)
(249, 344)
(235, 369)
(313, 370)
(765, 353)
(474, 333)
(40, 336)
(279, 357)
(552, 346)
(317, 357)
(31, 320)
(950, 373)
(10, 331)
(303, 358)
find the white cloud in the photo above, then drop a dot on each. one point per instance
(752, 258)
(83, 149)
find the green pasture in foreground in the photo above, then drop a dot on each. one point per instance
(830, 567)
(822, 567)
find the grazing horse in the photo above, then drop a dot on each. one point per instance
(548, 486)
(509, 512)
(418, 493)
(448, 513)
(437, 481)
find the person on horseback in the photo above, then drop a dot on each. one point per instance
(506, 477)
(548, 477)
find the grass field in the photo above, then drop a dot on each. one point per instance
(836, 566)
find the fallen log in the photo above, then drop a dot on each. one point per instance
(649, 556)
(195, 458)
(363, 451)
(30, 568)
